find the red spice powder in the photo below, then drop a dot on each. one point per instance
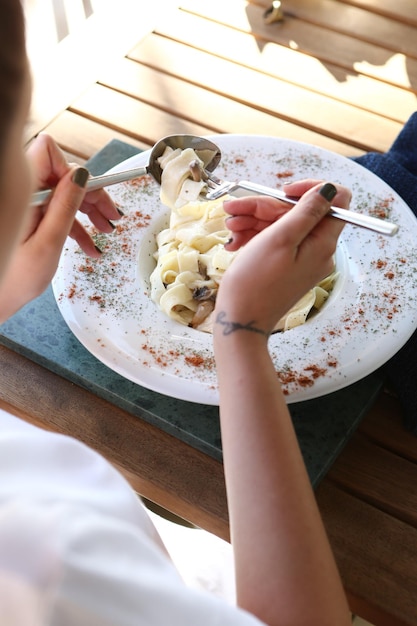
(382, 209)
(170, 357)
(72, 291)
(97, 298)
(284, 174)
(140, 182)
(316, 371)
(301, 379)
(195, 360)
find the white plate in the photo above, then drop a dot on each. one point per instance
(368, 317)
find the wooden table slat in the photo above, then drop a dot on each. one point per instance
(376, 555)
(372, 26)
(84, 137)
(333, 48)
(384, 425)
(130, 116)
(402, 10)
(338, 120)
(378, 476)
(293, 66)
(187, 101)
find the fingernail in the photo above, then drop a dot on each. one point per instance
(328, 191)
(111, 224)
(80, 177)
(229, 241)
(120, 212)
(99, 249)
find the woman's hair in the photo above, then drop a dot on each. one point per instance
(13, 63)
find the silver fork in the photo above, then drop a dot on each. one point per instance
(218, 188)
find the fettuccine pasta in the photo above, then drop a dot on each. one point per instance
(191, 258)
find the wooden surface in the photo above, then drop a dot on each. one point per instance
(341, 75)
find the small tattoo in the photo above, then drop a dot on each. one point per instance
(231, 327)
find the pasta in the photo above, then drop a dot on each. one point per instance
(191, 258)
(312, 301)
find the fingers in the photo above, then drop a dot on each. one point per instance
(51, 169)
(307, 214)
(243, 228)
(239, 239)
(100, 210)
(59, 216)
(300, 187)
(48, 161)
(84, 240)
(263, 208)
(250, 215)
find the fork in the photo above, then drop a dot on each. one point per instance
(218, 188)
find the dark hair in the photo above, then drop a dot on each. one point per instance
(13, 63)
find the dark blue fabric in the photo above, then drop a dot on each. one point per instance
(398, 168)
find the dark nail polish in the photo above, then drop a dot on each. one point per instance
(98, 249)
(328, 191)
(120, 212)
(229, 240)
(80, 177)
(111, 224)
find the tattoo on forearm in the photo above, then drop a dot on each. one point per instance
(231, 327)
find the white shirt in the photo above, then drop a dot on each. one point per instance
(77, 547)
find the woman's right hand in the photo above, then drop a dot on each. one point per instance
(287, 574)
(291, 252)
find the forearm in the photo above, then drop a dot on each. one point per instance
(285, 571)
(10, 303)
(18, 288)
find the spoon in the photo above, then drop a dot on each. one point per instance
(206, 150)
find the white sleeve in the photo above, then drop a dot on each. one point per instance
(77, 547)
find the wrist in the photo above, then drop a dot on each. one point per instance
(234, 325)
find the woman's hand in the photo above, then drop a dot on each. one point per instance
(250, 215)
(287, 574)
(46, 228)
(49, 167)
(293, 250)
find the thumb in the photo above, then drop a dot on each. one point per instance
(65, 202)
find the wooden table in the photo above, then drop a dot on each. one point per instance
(341, 75)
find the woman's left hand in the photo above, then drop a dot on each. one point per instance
(49, 166)
(46, 228)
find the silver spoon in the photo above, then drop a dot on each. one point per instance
(206, 150)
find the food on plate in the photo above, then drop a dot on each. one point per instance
(183, 175)
(191, 258)
(312, 301)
